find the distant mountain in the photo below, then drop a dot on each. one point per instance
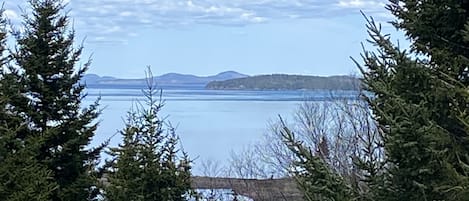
(175, 78)
(227, 75)
(287, 82)
(169, 79)
(93, 78)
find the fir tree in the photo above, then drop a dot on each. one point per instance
(147, 165)
(46, 96)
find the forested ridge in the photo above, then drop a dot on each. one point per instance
(288, 82)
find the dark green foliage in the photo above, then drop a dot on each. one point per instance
(440, 31)
(421, 103)
(420, 99)
(437, 30)
(400, 87)
(146, 165)
(42, 100)
(3, 38)
(287, 82)
(21, 176)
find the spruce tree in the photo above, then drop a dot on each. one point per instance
(317, 180)
(22, 177)
(47, 96)
(437, 30)
(439, 33)
(147, 165)
(420, 99)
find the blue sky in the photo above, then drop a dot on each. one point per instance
(205, 37)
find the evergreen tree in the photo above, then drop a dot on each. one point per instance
(21, 176)
(420, 100)
(146, 165)
(314, 177)
(45, 95)
(439, 32)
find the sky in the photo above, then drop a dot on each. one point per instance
(205, 37)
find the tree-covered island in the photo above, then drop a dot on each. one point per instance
(287, 82)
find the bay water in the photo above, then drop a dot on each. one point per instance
(210, 123)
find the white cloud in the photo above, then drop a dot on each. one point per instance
(107, 40)
(113, 16)
(112, 29)
(363, 4)
(126, 14)
(11, 15)
(251, 17)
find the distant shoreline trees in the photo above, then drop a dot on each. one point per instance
(287, 82)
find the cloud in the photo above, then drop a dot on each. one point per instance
(363, 4)
(11, 15)
(126, 14)
(114, 17)
(107, 40)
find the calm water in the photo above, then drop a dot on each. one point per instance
(210, 123)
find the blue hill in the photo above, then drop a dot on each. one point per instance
(169, 79)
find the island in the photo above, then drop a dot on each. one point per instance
(287, 82)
